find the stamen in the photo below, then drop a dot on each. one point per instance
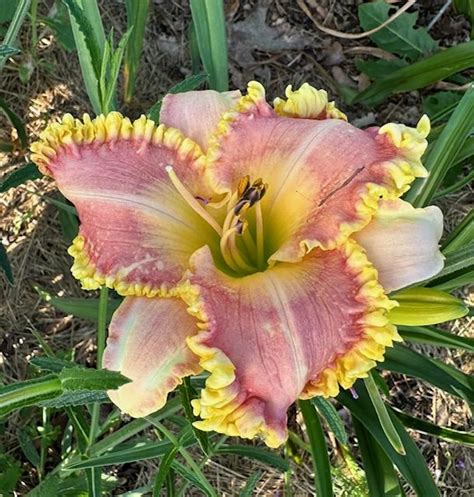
(191, 201)
(259, 237)
(230, 251)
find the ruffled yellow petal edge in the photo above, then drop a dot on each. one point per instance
(401, 171)
(71, 133)
(378, 332)
(307, 102)
(218, 406)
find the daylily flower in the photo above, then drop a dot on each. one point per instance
(256, 243)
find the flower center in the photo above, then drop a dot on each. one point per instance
(241, 242)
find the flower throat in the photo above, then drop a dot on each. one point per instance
(242, 252)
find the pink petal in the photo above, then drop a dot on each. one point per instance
(197, 113)
(402, 243)
(137, 233)
(295, 330)
(325, 177)
(147, 343)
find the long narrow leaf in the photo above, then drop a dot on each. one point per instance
(14, 27)
(209, 26)
(256, 453)
(329, 413)
(5, 264)
(461, 236)
(446, 148)
(412, 466)
(423, 73)
(319, 450)
(16, 123)
(163, 470)
(19, 176)
(137, 14)
(435, 336)
(381, 477)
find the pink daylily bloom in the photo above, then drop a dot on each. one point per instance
(253, 242)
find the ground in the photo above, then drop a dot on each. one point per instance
(276, 43)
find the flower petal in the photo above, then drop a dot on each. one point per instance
(402, 243)
(325, 177)
(197, 113)
(147, 343)
(293, 330)
(137, 232)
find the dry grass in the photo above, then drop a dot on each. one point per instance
(32, 234)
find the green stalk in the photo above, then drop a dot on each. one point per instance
(382, 413)
(319, 451)
(15, 26)
(34, 27)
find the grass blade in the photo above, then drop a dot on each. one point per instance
(20, 176)
(210, 29)
(384, 418)
(319, 451)
(434, 336)
(137, 14)
(412, 466)
(379, 471)
(165, 467)
(256, 453)
(420, 74)
(462, 235)
(443, 154)
(14, 27)
(251, 484)
(403, 360)
(428, 428)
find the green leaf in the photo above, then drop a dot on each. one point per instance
(402, 360)
(188, 84)
(461, 236)
(28, 447)
(209, 25)
(61, 27)
(52, 364)
(84, 308)
(90, 40)
(412, 466)
(22, 7)
(466, 7)
(440, 105)
(379, 471)
(458, 262)
(438, 67)
(251, 484)
(69, 224)
(379, 68)
(334, 421)
(163, 470)
(428, 428)
(137, 14)
(29, 392)
(319, 450)
(16, 123)
(7, 51)
(91, 379)
(462, 182)
(400, 36)
(434, 336)
(20, 176)
(256, 453)
(425, 306)
(76, 398)
(5, 264)
(191, 477)
(441, 157)
(382, 413)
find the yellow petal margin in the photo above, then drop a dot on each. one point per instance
(219, 405)
(73, 133)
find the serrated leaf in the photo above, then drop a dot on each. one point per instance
(84, 308)
(5, 264)
(400, 36)
(76, 398)
(8, 51)
(329, 413)
(52, 364)
(379, 68)
(20, 176)
(91, 379)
